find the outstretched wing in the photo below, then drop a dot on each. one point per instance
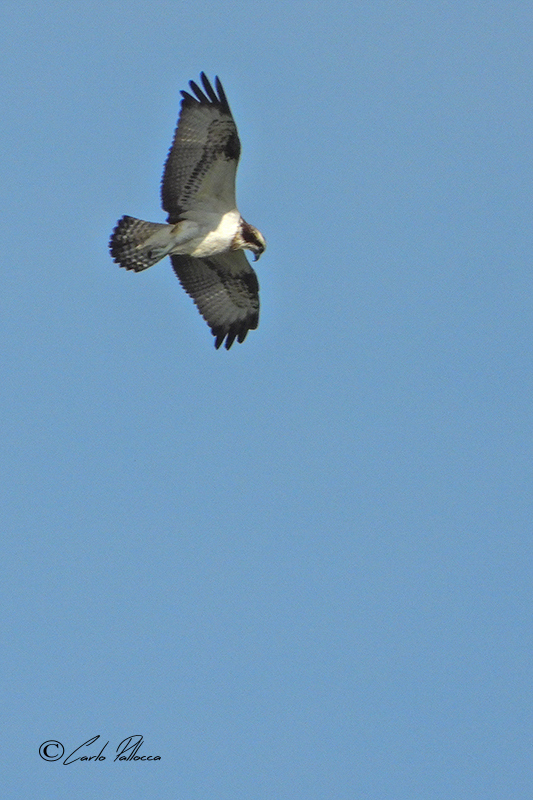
(202, 162)
(225, 290)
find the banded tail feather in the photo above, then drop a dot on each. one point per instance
(136, 244)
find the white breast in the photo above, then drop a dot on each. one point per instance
(218, 232)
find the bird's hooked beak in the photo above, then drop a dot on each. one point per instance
(259, 251)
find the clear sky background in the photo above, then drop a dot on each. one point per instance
(301, 569)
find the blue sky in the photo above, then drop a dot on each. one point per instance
(301, 568)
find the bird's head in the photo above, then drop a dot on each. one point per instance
(251, 239)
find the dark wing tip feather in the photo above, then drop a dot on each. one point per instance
(207, 96)
(198, 92)
(236, 331)
(209, 89)
(221, 94)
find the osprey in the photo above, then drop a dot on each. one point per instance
(205, 235)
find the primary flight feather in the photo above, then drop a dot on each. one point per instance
(205, 235)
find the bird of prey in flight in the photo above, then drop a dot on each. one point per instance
(205, 235)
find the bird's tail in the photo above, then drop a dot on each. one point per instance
(136, 244)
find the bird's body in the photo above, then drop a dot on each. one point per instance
(205, 235)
